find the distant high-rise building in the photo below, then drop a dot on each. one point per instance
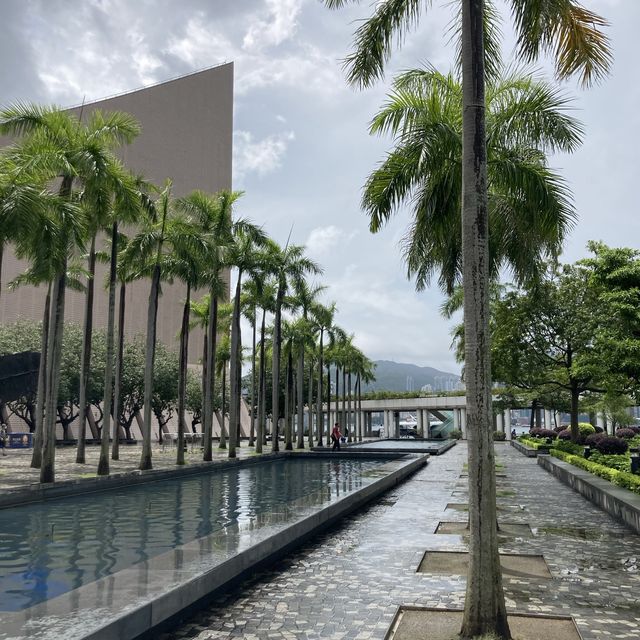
(187, 132)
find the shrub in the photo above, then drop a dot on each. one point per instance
(612, 445)
(592, 439)
(559, 428)
(546, 433)
(625, 433)
(586, 429)
(565, 434)
(599, 429)
(636, 430)
(534, 432)
(456, 434)
(619, 478)
(619, 462)
(568, 447)
(499, 435)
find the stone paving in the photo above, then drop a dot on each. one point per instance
(15, 471)
(348, 582)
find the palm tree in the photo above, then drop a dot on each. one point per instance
(214, 214)
(323, 317)
(573, 34)
(186, 262)
(242, 254)
(147, 249)
(305, 299)
(266, 302)
(529, 207)
(289, 265)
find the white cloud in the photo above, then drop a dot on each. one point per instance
(279, 24)
(324, 240)
(258, 156)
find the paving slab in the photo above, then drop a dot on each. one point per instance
(417, 624)
(457, 563)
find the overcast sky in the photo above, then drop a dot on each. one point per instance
(302, 151)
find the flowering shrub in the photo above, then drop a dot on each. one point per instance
(565, 434)
(625, 433)
(612, 445)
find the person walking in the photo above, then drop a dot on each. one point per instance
(335, 437)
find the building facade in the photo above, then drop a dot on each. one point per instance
(187, 133)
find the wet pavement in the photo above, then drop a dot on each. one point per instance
(348, 582)
(15, 470)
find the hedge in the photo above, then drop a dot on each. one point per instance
(533, 443)
(619, 478)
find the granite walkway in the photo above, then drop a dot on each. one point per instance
(348, 582)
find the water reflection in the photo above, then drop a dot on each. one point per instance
(49, 549)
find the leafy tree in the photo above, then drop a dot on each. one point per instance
(544, 339)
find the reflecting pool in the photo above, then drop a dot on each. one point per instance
(49, 548)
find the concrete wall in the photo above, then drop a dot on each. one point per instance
(187, 130)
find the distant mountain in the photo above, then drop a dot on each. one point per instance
(399, 376)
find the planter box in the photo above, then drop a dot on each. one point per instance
(530, 452)
(621, 503)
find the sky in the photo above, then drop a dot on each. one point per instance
(301, 145)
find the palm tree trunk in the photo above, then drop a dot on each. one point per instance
(262, 395)
(150, 353)
(275, 374)
(350, 420)
(234, 369)
(360, 425)
(54, 353)
(484, 611)
(300, 400)
(252, 431)
(319, 416)
(344, 400)
(115, 447)
(329, 403)
(288, 444)
(36, 457)
(310, 405)
(209, 377)
(85, 360)
(103, 463)
(182, 379)
(223, 428)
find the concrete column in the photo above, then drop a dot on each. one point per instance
(601, 422)
(507, 422)
(420, 425)
(456, 420)
(500, 422)
(548, 419)
(463, 423)
(387, 424)
(395, 418)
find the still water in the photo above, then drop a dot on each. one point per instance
(50, 548)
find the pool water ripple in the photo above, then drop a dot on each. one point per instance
(50, 548)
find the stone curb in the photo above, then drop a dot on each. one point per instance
(530, 452)
(618, 502)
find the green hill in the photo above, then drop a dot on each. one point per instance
(399, 376)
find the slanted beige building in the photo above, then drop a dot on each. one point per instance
(187, 129)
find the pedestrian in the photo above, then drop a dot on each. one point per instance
(335, 437)
(3, 438)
